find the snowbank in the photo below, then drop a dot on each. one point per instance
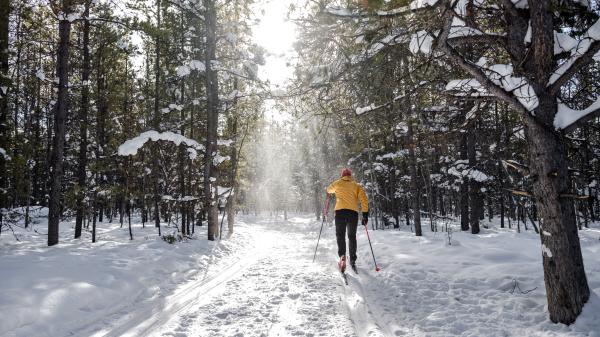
(60, 290)
(482, 285)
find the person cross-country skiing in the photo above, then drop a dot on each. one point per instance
(348, 194)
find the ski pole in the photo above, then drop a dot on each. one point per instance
(325, 210)
(368, 238)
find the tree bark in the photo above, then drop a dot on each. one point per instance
(414, 183)
(156, 121)
(464, 185)
(83, 121)
(212, 106)
(231, 199)
(475, 195)
(564, 273)
(60, 117)
(4, 89)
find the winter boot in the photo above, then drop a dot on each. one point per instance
(342, 263)
(353, 266)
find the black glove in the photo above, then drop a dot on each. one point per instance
(365, 218)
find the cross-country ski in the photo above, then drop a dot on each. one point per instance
(281, 168)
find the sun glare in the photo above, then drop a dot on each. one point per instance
(277, 35)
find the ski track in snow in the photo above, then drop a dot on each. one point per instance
(279, 293)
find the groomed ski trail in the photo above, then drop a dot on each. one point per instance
(272, 289)
(282, 294)
(146, 315)
(363, 316)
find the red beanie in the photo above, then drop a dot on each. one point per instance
(346, 172)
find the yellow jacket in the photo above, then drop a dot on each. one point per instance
(348, 193)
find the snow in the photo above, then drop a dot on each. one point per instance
(177, 107)
(461, 170)
(131, 146)
(566, 116)
(75, 288)
(479, 176)
(183, 71)
(546, 251)
(391, 12)
(501, 75)
(389, 40)
(526, 95)
(393, 155)
(123, 44)
(527, 38)
(3, 153)
(579, 47)
(40, 74)
(421, 41)
(262, 282)
(234, 94)
(459, 28)
(339, 11)
(225, 142)
(464, 85)
(429, 288)
(416, 4)
(584, 3)
(186, 69)
(520, 4)
(362, 110)
(218, 159)
(223, 191)
(319, 75)
(563, 43)
(69, 17)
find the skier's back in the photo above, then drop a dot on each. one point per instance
(348, 194)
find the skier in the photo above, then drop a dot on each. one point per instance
(348, 193)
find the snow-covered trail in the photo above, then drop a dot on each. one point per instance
(262, 282)
(273, 289)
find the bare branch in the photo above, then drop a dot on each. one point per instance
(472, 39)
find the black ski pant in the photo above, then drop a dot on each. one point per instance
(346, 219)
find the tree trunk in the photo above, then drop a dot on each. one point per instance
(414, 183)
(475, 195)
(83, 121)
(60, 117)
(156, 121)
(4, 88)
(464, 185)
(94, 212)
(231, 198)
(212, 105)
(564, 273)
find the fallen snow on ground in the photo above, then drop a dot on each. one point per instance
(262, 282)
(472, 287)
(57, 291)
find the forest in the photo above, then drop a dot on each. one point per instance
(474, 112)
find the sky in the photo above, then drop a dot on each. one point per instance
(277, 35)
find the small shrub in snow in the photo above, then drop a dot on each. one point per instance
(172, 238)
